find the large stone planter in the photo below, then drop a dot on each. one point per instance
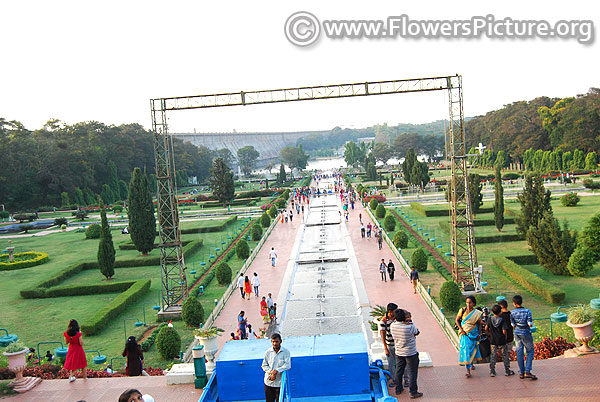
(17, 362)
(211, 347)
(583, 333)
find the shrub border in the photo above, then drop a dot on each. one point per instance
(40, 258)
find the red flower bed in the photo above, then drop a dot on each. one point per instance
(547, 348)
(51, 372)
(380, 198)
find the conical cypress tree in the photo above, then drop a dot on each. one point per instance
(106, 249)
(142, 224)
(499, 200)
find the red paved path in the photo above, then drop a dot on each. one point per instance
(559, 380)
(432, 339)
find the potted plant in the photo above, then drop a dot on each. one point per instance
(15, 352)
(581, 318)
(208, 339)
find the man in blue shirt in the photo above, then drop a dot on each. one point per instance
(521, 319)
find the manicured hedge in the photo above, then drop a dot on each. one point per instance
(422, 210)
(235, 202)
(257, 193)
(529, 281)
(103, 316)
(210, 229)
(499, 238)
(490, 222)
(37, 259)
(529, 259)
(78, 290)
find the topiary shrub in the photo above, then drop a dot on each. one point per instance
(373, 204)
(256, 232)
(117, 209)
(581, 261)
(168, 343)
(192, 312)
(60, 221)
(400, 239)
(265, 221)
(380, 211)
(272, 211)
(418, 259)
(93, 231)
(570, 200)
(242, 250)
(450, 296)
(281, 203)
(389, 223)
(223, 273)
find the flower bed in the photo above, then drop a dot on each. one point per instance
(53, 372)
(547, 348)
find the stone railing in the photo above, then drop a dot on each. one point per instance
(446, 326)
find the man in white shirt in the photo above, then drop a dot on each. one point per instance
(273, 256)
(240, 284)
(255, 283)
(269, 300)
(276, 361)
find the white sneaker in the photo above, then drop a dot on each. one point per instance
(71, 379)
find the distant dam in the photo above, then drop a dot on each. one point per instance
(269, 145)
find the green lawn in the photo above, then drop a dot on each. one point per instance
(36, 320)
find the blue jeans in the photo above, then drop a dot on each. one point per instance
(411, 364)
(524, 341)
(272, 261)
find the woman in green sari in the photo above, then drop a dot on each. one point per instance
(469, 325)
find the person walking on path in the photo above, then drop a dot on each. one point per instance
(240, 283)
(273, 256)
(291, 215)
(75, 359)
(242, 322)
(369, 227)
(404, 334)
(360, 217)
(383, 269)
(276, 361)
(264, 310)
(468, 321)
(247, 287)
(135, 357)
(379, 238)
(414, 278)
(522, 320)
(391, 270)
(362, 230)
(255, 284)
(269, 300)
(497, 328)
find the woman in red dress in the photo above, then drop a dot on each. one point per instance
(247, 287)
(75, 355)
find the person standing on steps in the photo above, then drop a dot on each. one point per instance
(388, 341)
(522, 321)
(404, 333)
(273, 256)
(75, 359)
(414, 278)
(383, 269)
(391, 270)
(276, 361)
(468, 321)
(240, 283)
(255, 284)
(242, 322)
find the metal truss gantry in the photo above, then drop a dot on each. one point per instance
(173, 268)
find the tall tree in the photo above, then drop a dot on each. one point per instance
(407, 166)
(226, 155)
(221, 181)
(107, 195)
(113, 180)
(475, 196)
(420, 174)
(282, 175)
(535, 201)
(498, 200)
(246, 157)
(382, 152)
(551, 245)
(591, 161)
(106, 249)
(294, 157)
(142, 223)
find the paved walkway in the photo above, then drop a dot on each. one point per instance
(432, 339)
(282, 239)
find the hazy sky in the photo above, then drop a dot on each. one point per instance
(81, 60)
